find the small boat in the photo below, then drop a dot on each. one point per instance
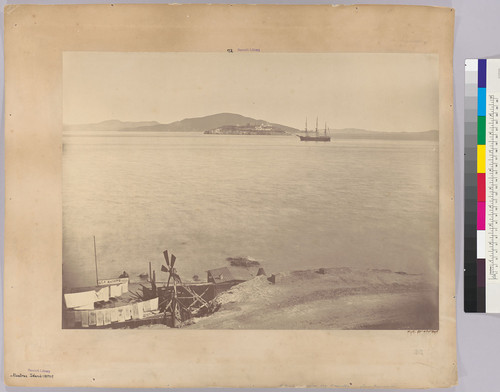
(316, 137)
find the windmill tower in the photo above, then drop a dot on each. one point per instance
(180, 310)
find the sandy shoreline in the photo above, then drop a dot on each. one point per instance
(341, 298)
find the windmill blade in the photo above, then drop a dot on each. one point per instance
(164, 269)
(173, 258)
(165, 254)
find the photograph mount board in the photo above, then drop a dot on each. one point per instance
(35, 343)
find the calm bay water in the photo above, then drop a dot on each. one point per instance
(290, 204)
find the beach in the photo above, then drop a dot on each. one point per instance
(338, 298)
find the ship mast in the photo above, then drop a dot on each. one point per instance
(325, 128)
(316, 124)
(306, 125)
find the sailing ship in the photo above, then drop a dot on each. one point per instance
(316, 137)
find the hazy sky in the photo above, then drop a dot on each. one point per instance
(385, 92)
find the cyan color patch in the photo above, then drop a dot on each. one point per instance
(481, 101)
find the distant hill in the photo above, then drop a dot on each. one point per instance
(222, 123)
(196, 124)
(110, 125)
(202, 124)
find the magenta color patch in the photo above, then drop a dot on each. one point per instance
(481, 215)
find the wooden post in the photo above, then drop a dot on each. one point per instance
(153, 284)
(175, 306)
(95, 258)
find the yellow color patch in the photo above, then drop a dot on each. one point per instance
(481, 159)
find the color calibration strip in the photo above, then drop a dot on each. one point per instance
(472, 297)
(482, 198)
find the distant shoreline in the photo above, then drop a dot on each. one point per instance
(236, 124)
(335, 135)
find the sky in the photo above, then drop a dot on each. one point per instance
(392, 92)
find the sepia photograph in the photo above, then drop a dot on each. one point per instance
(250, 190)
(238, 187)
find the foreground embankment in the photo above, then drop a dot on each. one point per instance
(336, 298)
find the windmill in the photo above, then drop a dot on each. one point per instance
(177, 308)
(174, 306)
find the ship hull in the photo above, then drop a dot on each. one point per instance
(314, 138)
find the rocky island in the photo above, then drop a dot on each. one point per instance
(249, 129)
